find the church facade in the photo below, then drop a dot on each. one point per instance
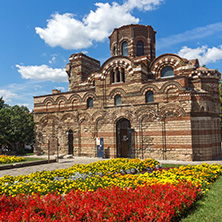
(142, 106)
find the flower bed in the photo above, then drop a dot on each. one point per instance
(114, 190)
(154, 203)
(101, 174)
(80, 176)
(10, 159)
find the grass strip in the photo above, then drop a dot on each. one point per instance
(172, 165)
(27, 159)
(209, 208)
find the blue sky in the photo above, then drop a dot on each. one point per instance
(38, 36)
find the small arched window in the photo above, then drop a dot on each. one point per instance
(89, 102)
(61, 105)
(74, 103)
(117, 100)
(114, 50)
(117, 74)
(125, 49)
(122, 75)
(167, 71)
(47, 106)
(140, 48)
(149, 97)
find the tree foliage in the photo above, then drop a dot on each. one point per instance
(16, 126)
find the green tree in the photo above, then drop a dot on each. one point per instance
(2, 103)
(17, 126)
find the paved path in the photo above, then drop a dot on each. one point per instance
(66, 163)
(62, 164)
(190, 162)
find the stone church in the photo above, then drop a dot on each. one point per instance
(142, 106)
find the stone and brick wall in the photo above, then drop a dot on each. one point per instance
(132, 34)
(181, 123)
(79, 68)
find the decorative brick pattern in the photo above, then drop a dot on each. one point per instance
(181, 123)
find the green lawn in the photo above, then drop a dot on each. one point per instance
(29, 154)
(172, 165)
(28, 159)
(208, 208)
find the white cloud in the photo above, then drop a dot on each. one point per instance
(146, 5)
(53, 59)
(43, 73)
(65, 31)
(60, 88)
(23, 104)
(204, 54)
(194, 34)
(70, 33)
(37, 87)
(85, 52)
(7, 95)
(22, 93)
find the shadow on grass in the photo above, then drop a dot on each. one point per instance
(208, 207)
(197, 205)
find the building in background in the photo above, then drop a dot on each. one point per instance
(165, 108)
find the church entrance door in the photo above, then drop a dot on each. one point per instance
(70, 141)
(123, 138)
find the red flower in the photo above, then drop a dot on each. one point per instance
(157, 202)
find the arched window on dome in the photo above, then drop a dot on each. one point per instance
(140, 48)
(167, 71)
(89, 102)
(117, 74)
(117, 100)
(149, 97)
(125, 49)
